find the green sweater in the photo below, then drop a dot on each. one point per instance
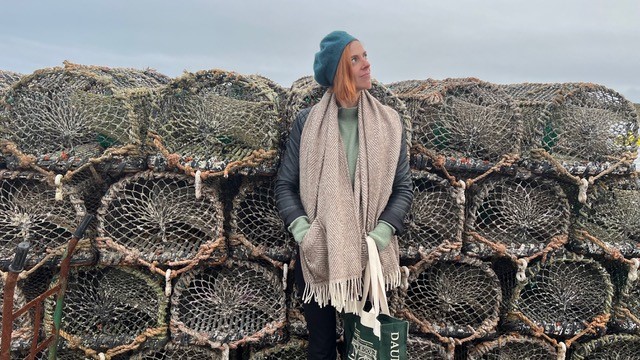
(348, 123)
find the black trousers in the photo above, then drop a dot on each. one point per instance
(321, 323)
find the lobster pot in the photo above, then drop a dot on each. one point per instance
(522, 214)
(255, 222)
(627, 304)
(29, 211)
(242, 302)
(579, 123)
(609, 347)
(561, 295)
(513, 347)
(306, 92)
(294, 349)
(213, 117)
(157, 217)
(107, 307)
(22, 327)
(7, 78)
(181, 352)
(77, 112)
(452, 298)
(436, 216)
(462, 118)
(68, 354)
(611, 215)
(535, 102)
(422, 349)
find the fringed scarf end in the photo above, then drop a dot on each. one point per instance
(342, 295)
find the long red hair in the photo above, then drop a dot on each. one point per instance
(344, 85)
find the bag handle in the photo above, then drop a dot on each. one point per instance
(373, 289)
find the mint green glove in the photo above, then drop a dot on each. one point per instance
(382, 234)
(299, 228)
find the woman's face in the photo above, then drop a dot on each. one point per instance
(360, 67)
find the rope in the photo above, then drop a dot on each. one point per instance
(254, 159)
(438, 161)
(507, 160)
(522, 267)
(562, 351)
(598, 322)
(633, 269)
(255, 251)
(285, 273)
(58, 182)
(537, 331)
(167, 283)
(198, 184)
(614, 253)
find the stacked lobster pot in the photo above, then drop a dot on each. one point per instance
(7, 78)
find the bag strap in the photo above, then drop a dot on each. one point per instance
(374, 285)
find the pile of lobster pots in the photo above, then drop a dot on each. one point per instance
(523, 239)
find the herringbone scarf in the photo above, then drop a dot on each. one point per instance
(334, 252)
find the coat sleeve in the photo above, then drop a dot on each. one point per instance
(401, 197)
(287, 187)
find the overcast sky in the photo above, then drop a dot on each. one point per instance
(502, 41)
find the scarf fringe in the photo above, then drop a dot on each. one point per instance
(345, 295)
(342, 295)
(393, 279)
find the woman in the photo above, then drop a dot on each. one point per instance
(344, 175)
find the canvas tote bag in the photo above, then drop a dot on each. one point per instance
(374, 334)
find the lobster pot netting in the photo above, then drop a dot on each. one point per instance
(591, 123)
(535, 102)
(451, 298)
(180, 352)
(29, 211)
(627, 305)
(576, 122)
(306, 92)
(562, 296)
(76, 111)
(108, 307)
(211, 118)
(22, 327)
(7, 78)
(234, 304)
(462, 117)
(157, 217)
(423, 349)
(623, 347)
(255, 221)
(611, 215)
(294, 349)
(523, 214)
(436, 216)
(513, 347)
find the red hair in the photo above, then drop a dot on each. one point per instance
(344, 85)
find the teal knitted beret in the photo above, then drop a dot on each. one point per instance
(326, 61)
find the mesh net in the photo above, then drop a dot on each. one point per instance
(436, 216)
(211, 118)
(524, 215)
(235, 304)
(612, 216)
(294, 349)
(179, 352)
(461, 117)
(7, 78)
(513, 347)
(110, 307)
(609, 347)
(452, 298)
(563, 295)
(76, 112)
(306, 92)
(423, 349)
(256, 223)
(29, 211)
(22, 329)
(156, 217)
(627, 304)
(576, 121)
